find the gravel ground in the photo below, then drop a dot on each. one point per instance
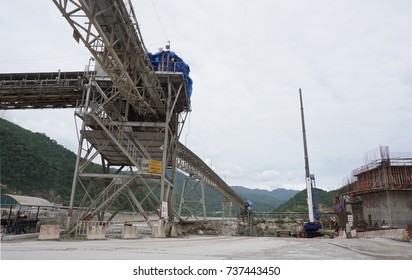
(209, 248)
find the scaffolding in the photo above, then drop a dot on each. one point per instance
(385, 173)
(382, 191)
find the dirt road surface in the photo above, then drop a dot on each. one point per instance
(209, 248)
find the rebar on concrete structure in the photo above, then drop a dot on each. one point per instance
(382, 192)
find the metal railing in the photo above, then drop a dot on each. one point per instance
(109, 229)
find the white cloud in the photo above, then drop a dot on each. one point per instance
(268, 175)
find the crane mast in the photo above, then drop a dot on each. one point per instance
(313, 225)
(307, 173)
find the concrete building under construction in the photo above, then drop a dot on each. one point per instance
(381, 195)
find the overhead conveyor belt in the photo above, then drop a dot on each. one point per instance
(192, 164)
(40, 90)
(107, 29)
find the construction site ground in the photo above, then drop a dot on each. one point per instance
(203, 247)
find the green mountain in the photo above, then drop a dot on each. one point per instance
(33, 164)
(264, 200)
(298, 203)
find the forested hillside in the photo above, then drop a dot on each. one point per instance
(33, 164)
(298, 203)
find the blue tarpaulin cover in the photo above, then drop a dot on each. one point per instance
(169, 61)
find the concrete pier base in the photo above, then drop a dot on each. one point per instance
(49, 232)
(155, 231)
(158, 230)
(130, 232)
(96, 232)
(173, 232)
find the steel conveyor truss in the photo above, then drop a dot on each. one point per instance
(40, 90)
(133, 124)
(98, 142)
(109, 30)
(192, 164)
(132, 117)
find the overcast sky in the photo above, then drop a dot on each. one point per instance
(248, 59)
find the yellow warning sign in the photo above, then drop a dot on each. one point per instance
(155, 166)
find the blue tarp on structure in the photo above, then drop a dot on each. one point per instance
(249, 203)
(170, 62)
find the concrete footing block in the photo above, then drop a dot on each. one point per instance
(96, 232)
(49, 232)
(173, 232)
(158, 231)
(155, 231)
(130, 232)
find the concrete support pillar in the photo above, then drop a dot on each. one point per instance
(96, 232)
(49, 232)
(130, 232)
(159, 230)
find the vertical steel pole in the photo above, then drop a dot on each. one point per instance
(75, 178)
(79, 151)
(163, 197)
(203, 199)
(307, 173)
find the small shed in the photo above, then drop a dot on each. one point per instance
(13, 200)
(22, 223)
(20, 202)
